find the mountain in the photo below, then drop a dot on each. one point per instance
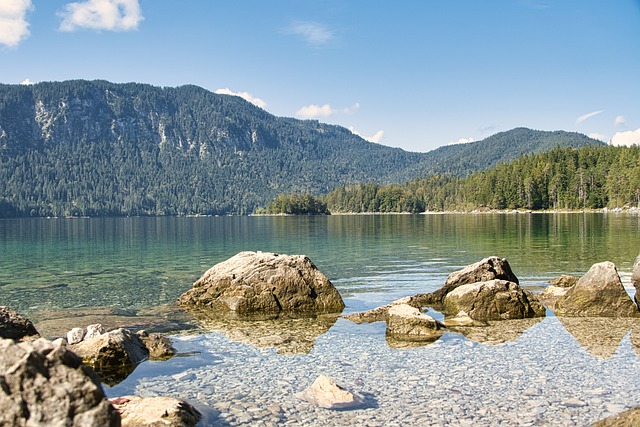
(98, 148)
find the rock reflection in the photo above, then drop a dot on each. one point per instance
(288, 335)
(400, 344)
(600, 336)
(496, 332)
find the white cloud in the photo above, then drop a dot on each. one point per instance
(462, 141)
(26, 82)
(587, 116)
(314, 111)
(376, 137)
(599, 136)
(244, 95)
(631, 137)
(620, 122)
(110, 15)
(313, 33)
(13, 21)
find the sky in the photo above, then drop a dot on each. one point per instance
(414, 74)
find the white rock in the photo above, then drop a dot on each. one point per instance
(75, 335)
(325, 393)
(94, 330)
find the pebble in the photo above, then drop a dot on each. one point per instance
(542, 378)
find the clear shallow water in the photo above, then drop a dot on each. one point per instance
(136, 264)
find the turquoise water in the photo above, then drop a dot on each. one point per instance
(137, 263)
(549, 371)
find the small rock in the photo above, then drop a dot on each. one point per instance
(139, 411)
(94, 330)
(15, 326)
(75, 335)
(325, 393)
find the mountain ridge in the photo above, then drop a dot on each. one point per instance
(99, 148)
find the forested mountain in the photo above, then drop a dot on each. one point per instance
(98, 148)
(562, 178)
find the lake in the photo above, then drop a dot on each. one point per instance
(549, 372)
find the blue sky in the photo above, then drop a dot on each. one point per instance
(415, 74)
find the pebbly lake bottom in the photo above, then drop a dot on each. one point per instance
(556, 372)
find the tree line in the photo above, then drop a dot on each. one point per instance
(591, 177)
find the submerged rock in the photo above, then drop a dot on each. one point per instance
(139, 411)
(15, 326)
(493, 300)
(599, 293)
(325, 393)
(379, 314)
(407, 323)
(114, 355)
(43, 384)
(259, 282)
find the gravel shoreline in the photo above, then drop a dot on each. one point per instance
(544, 377)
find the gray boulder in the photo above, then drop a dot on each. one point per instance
(493, 300)
(114, 355)
(599, 293)
(42, 384)
(139, 411)
(253, 283)
(486, 269)
(15, 326)
(407, 323)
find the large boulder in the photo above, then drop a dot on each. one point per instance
(157, 411)
(407, 323)
(254, 283)
(493, 300)
(599, 293)
(42, 384)
(15, 326)
(486, 269)
(114, 354)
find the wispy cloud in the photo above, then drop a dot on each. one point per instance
(26, 82)
(587, 116)
(109, 15)
(376, 137)
(13, 21)
(244, 95)
(313, 33)
(320, 111)
(620, 122)
(631, 137)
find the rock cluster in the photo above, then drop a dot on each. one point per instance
(252, 283)
(43, 384)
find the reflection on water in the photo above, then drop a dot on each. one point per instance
(288, 335)
(601, 336)
(496, 332)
